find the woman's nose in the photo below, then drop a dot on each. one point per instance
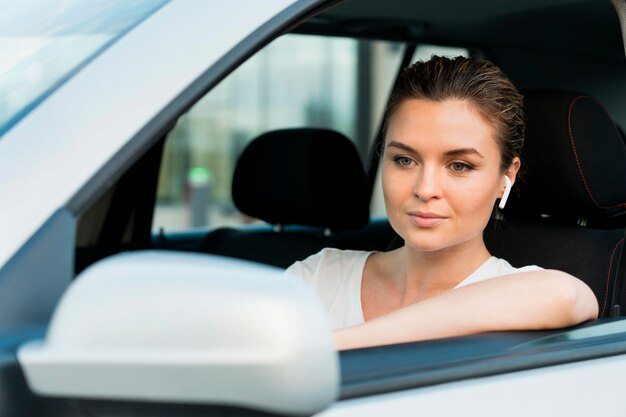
(427, 184)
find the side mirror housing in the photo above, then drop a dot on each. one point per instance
(187, 328)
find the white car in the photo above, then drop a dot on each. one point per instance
(135, 281)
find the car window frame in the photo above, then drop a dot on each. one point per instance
(391, 368)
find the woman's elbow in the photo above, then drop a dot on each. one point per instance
(577, 301)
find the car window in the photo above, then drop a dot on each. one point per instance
(37, 55)
(296, 81)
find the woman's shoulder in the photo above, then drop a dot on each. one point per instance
(495, 267)
(330, 262)
(335, 276)
(328, 259)
(498, 266)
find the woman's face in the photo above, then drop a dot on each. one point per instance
(441, 173)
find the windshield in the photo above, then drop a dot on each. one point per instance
(43, 43)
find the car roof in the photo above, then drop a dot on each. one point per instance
(588, 26)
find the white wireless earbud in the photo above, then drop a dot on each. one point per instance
(505, 194)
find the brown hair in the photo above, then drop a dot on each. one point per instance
(478, 81)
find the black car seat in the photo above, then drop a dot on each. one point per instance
(567, 209)
(308, 184)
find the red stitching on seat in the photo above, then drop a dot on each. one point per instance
(608, 278)
(571, 137)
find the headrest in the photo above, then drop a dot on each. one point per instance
(309, 177)
(574, 158)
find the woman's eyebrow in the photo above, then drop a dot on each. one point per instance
(453, 152)
(401, 146)
(463, 151)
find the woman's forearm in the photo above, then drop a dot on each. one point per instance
(525, 301)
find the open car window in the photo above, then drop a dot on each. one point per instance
(297, 81)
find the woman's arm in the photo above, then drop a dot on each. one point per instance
(543, 299)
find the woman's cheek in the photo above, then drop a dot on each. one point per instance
(478, 196)
(397, 188)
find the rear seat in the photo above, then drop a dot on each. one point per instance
(309, 185)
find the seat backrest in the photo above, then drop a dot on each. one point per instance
(589, 254)
(308, 184)
(567, 209)
(574, 156)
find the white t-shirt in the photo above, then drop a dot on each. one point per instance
(335, 276)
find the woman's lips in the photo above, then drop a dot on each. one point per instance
(426, 219)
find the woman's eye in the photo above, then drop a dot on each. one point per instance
(403, 161)
(460, 167)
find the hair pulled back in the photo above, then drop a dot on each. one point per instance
(475, 80)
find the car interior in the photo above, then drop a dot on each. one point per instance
(567, 211)
(324, 194)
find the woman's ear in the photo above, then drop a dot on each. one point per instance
(513, 169)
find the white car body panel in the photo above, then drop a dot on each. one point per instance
(90, 118)
(564, 390)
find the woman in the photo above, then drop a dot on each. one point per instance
(454, 129)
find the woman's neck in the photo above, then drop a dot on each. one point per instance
(428, 273)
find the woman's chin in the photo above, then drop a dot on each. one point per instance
(425, 245)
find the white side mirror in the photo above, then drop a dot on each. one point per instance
(187, 328)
